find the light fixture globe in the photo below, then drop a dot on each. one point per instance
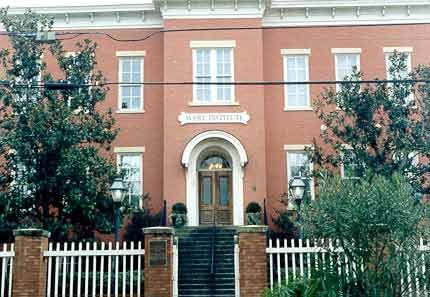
(117, 190)
(297, 189)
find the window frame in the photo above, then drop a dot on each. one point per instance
(296, 52)
(130, 55)
(214, 98)
(135, 153)
(298, 149)
(336, 64)
(388, 51)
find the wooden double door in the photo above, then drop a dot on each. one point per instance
(215, 198)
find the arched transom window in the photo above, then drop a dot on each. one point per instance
(214, 162)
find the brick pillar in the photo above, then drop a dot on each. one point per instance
(158, 275)
(30, 267)
(252, 260)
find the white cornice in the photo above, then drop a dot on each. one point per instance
(339, 13)
(344, 3)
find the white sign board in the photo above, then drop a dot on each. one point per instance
(213, 118)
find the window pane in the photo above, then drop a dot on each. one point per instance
(297, 95)
(131, 166)
(223, 190)
(206, 190)
(345, 65)
(299, 165)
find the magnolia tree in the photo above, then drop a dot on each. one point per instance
(380, 128)
(54, 173)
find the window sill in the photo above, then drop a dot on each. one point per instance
(214, 104)
(130, 111)
(299, 108)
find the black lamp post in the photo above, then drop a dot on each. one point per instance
(117, 190)
(297, 190)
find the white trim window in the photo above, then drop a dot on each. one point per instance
(131, 165)
(404, 74)
(350, 169)
(345, 63)
(296, 68)
(213, 65)
(299, 165)
(130, 88)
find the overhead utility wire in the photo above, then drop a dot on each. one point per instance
(76, 34)
(67, 85)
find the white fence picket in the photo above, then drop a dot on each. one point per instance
(87, 267)
(306, 255)
(7, 253)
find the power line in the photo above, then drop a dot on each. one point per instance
(57, 85)
(76, 34)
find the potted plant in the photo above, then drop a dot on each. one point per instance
(178, 216)
(253, 213)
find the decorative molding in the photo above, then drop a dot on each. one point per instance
(132, 149)
(77, 14)
(346, 50)
(212, 43)
(213, 118)
(130, 53)
(344, 12)
(400, 49)
(295, 51)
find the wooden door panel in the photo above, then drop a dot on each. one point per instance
(223, 212)
(206, 198)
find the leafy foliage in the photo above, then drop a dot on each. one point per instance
(140, 218)
(54, 173)
(179, 207)
(378, 128)
(285, 227)
(378, 226)
(253, 207)
(297, 288)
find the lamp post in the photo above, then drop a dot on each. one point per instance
(117, 191)
(297, 191)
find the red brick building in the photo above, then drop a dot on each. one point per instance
(218, 147)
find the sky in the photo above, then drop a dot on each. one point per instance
(56, 3)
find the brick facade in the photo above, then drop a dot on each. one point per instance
(158, 279)
(252, 260)
(30, 267)
(257, 57)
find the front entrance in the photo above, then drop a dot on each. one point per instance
(215, 191)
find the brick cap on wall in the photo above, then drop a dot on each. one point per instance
(252, 229)
(32, 232)
(158, 230)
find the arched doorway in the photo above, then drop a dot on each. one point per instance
(214, 147)
(215, 189)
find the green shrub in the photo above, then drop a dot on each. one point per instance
(378, 224)
(140, 218)
(297, 288)
(253, 207)
(179, 207)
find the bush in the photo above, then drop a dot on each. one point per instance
(140, 218)
(297, 288)
(285, 227)
(378, 224)
(253, 207)
(179, 207)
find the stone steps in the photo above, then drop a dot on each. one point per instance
(195, 279)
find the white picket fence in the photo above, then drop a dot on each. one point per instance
(291, 259)
(91, 270)
(7, 253)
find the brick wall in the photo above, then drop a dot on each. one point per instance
(252, 260)
(30, 268)
(158, 279)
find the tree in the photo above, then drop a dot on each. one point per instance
(56, 174)
(377, 225)
(382, 128)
